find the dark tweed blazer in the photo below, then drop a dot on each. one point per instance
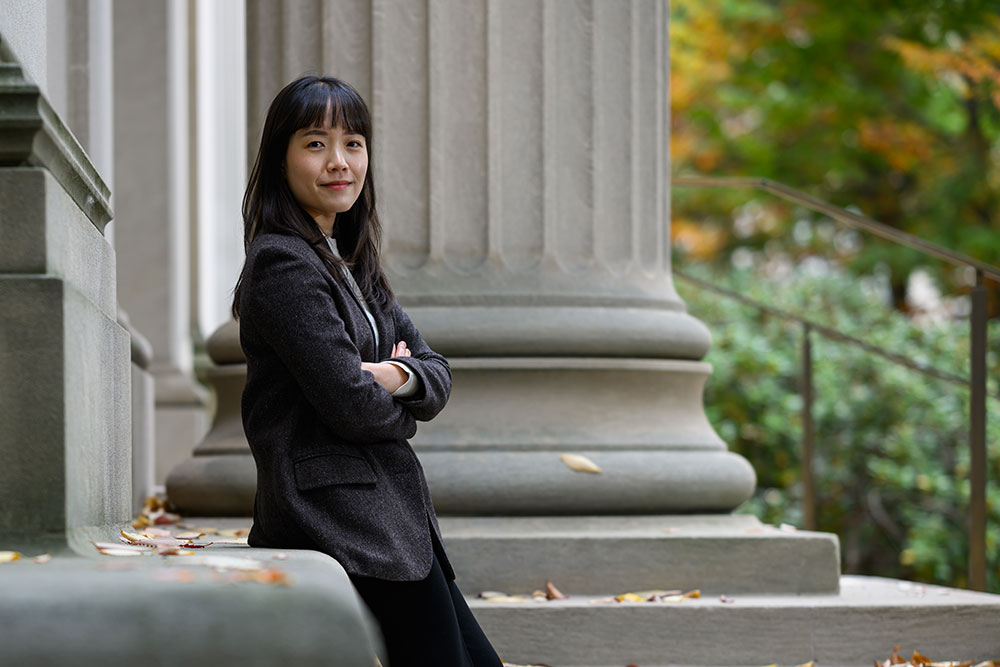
(334, 470)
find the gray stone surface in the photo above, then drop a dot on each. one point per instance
(596, 554)
(153, 164)
(166, 610)
(64, 360)
(860, 625)
(31, 134)
(220, 485)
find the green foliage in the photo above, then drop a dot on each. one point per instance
(891, 453)
(891, 107)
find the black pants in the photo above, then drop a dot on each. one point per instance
(426, 622)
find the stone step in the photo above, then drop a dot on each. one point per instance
(728, 554)
(859, 625)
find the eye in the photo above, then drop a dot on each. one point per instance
(354, 143)
(315, 144)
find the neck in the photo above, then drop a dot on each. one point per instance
(325, 222)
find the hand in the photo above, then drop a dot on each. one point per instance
(390, 376)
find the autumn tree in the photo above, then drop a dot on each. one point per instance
(892, 107)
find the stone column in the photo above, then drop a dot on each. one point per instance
(64, 359)
(521, 151)
(522, 157)
(151, 185)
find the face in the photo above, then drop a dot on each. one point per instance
(325, 168)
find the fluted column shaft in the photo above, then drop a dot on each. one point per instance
(521, 155)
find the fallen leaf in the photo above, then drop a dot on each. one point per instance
(552, 593)
(696, 593)
(188, 535)
(208, 530)
(894, 659)
(580, 463)
(225, 562)
(918, 659)
(175, 575)
(234, 532)
(9, 556)
(142, 539)
(811, 663)
(231, 540)
(490, 594)
(726, 599)
(272, 576)
(156, 532)
(122, 551)
(116, 545)
(788, 528)
(510, 598)
(174, 551)
(42, 558)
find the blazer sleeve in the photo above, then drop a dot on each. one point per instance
(291, 308)
(431, 369)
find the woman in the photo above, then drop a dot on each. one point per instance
(337, 377)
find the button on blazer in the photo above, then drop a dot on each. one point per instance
(335, 472)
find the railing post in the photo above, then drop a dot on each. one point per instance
(808, 483)
(977, 439)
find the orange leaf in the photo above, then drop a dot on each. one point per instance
(552, 593)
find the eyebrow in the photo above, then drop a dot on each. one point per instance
(320, 132)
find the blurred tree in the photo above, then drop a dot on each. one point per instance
(888, 106)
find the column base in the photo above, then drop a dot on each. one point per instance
(494, 483)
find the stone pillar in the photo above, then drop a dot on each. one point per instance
(522, 154)
(64, 359)
(152, 171)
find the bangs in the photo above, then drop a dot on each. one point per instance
(327, 102)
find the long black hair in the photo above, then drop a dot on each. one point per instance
(270, 207)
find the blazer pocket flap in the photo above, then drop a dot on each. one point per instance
(332, 469)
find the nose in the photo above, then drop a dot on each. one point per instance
(337, 159)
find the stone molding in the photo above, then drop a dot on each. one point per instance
(32, 134)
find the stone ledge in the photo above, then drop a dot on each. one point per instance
(863, 623)
(32, 134)
(113, 610)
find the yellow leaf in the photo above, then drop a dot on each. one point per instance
(696, 593)
(580, 463)
(9, 556)
(811, 663)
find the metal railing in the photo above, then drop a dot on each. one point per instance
(978, 341)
